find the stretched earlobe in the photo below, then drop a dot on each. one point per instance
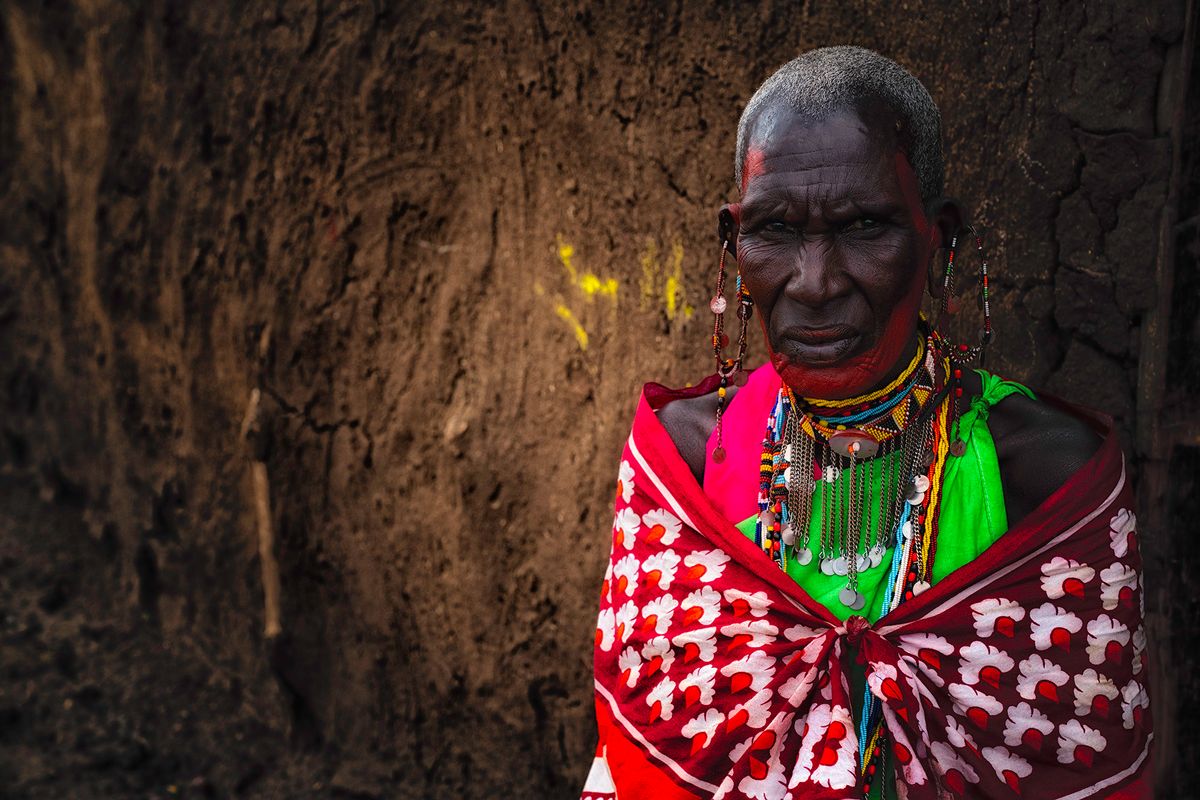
(935, 270)
(727, 226)
(948, 216)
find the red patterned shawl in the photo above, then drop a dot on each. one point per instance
(717, 676)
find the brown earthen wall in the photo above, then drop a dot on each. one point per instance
(447, 242)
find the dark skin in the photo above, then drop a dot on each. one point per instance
(834, 243)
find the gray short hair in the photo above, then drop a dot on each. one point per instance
(829, 79)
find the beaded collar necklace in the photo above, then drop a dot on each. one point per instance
(882, 414)
(867, 470)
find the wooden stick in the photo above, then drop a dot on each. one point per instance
(262, 512)
(266, 550)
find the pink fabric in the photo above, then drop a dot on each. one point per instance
(1022, 672)
(732, 484)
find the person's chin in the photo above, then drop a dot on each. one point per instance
(835, 371)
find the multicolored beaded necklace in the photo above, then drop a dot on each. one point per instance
(871, 467)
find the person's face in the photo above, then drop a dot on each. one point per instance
(833, 246)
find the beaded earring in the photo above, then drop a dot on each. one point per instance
(729, 369)
(961, 355)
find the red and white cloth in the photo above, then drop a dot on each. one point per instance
(1021, 674)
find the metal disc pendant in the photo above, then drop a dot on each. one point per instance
(718, 305)
(852, 598)
(919, 587)
(830, 474)
(803, 556)
(957, 448)
(864, 562)
(740, 377)
(718, 455)
(927, 458)
(921, 483)
(876, 556)
(853, 443)
(826, 566)
(789, 535)
(840, 566)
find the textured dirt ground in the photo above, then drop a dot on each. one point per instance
(447, 242)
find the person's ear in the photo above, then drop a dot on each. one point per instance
(946, 218)
(728, 219)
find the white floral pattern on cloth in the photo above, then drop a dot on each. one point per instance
(740, 684)
(626, 525)
(1095, 694)
(1121, 532)
(1063, 576)
(998, 616)
(1026, 725)
(983, 662)
(1053, 626)
(599, 783)
(625, 485)
(660, 527)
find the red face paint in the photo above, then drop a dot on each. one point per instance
(753, 166)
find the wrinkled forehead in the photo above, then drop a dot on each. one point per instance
(785, 141)
(820, 166)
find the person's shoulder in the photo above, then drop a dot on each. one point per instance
(1038, 447)
(689, 421)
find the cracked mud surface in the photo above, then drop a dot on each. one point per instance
(447, 243)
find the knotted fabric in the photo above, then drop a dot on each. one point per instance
(1022, 673)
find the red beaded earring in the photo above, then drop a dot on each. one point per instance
(729, 369)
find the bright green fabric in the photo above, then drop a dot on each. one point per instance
(972, 516)
(972, 511)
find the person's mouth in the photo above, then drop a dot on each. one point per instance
(819, 344)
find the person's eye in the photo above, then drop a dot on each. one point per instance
(863, 224)
(776, 226)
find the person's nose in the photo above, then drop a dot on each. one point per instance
(817, 274)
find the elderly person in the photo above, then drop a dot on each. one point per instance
(864, 569)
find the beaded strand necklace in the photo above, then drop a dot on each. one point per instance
(861, 467)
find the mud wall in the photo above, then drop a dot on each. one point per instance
(445, 243)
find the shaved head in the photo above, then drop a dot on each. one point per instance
(822, 82)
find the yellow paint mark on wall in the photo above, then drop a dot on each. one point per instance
(580, 334)
(565, 253)
(586, 283)
(649, 282)
(671, 291)
(663, 283)
(589, 283)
